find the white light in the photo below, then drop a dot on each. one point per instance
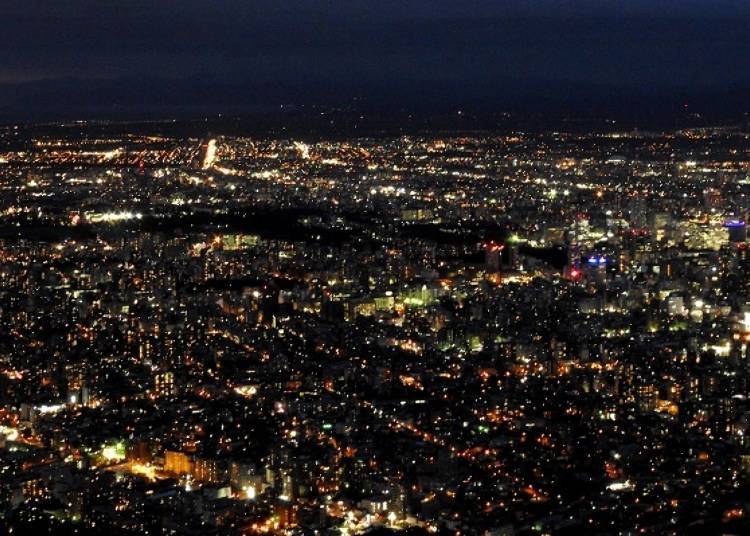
(210, 157)
(620, 486)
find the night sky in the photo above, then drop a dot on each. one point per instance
(234, 55)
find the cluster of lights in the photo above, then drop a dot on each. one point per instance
(597, 260)
(113, 217)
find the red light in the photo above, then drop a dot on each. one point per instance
(574, 273)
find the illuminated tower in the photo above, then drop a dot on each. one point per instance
(207, 154)
(573, 267)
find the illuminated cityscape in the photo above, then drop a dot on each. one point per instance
(527, 333)
(375, 268)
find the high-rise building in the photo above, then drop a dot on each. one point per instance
(493, 254)
(737, 230)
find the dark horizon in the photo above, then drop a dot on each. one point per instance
(647, 60)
